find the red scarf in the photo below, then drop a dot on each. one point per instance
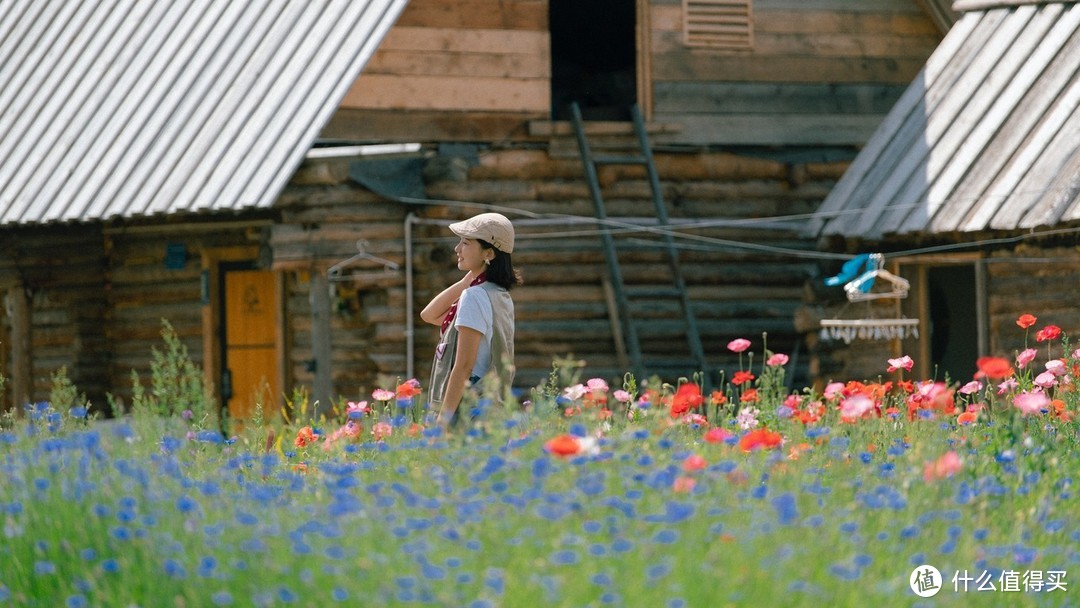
(448, 320)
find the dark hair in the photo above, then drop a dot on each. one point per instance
(501, 270)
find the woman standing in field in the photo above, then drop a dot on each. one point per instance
(475, 314)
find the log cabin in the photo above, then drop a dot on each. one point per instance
(274, 180)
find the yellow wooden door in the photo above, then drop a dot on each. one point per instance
(250, 352)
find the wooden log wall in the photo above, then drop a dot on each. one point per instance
(323, 216)
(1015, 277)
(61, 270)
(561, 308)
(148, 283)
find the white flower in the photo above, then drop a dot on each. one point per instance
(747, 418)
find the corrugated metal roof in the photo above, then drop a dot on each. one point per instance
(986, 138)
(119, 108)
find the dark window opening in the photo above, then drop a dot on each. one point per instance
(954, 334)
(593, 58)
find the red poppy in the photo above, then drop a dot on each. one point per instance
(741, 376)
(760, 439)
(1025, 321)
(686, 398)
(1058, 410)
(408, 389)
(718, 398)
(1050, 332)
(994, 367)
(305, 437)
(694, 462)
(750, 395)
(967, 417)
(563, 445)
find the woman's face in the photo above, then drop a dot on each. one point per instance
(470, 255)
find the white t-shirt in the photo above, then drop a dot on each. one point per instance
(474, 311)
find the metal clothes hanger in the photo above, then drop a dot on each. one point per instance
(334, 273)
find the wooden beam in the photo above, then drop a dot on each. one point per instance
(411, 92)
(322, 353)
(477, 14)
(17, 301)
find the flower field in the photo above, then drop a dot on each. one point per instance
(585, 494)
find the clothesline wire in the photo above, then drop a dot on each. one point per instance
(615, 226)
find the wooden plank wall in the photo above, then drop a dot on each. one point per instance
(819, 72)
(445, 58)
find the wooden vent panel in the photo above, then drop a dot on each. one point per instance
(718, 24)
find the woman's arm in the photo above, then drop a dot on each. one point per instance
(468, 345)
(437, 308)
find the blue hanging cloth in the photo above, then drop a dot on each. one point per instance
(852, 269)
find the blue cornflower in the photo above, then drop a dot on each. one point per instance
(565, 557)
(787, 511)
(495, 579)
(657, 571)
(174, 569)
(186, 504)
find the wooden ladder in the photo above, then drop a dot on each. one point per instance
(629, 341)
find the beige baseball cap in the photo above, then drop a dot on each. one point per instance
(491, 227)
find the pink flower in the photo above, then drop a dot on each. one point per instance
(357, 410)
(738, 345)
(575, 392)
(855, 406)
(684, 484)
(947, 465)
(718, 435)
(1045, 380)
(1025, 357)
(1007, 386)
(694, 462)
(695, 420)
(381, 394)
(1031, 402)
(1057, 367)
(793, 401)
(905, 363)
(621, 396)
(971, 387)
(777, 360)
(834, 390)
(381, 430)
(597, 384)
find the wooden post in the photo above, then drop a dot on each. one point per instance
(320, 343)
(18, 308)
